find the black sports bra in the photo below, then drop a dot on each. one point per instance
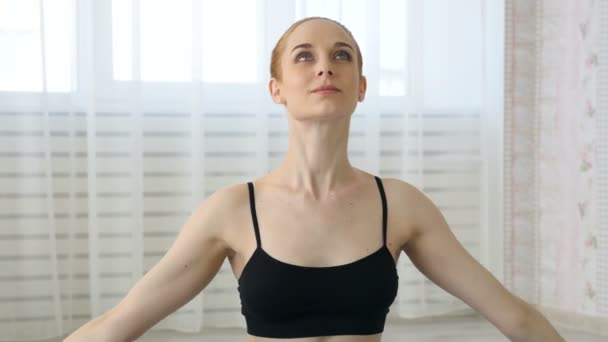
(281, 300)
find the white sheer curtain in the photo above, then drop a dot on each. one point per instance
(118, 117)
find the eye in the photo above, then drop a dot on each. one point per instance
(344, 55)
(303, 54)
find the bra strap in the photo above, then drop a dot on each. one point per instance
(384, 208)
(254, 215)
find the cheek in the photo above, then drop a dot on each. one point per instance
(298, 82)
(353, 85)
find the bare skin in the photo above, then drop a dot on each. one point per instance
(315, 209)
(316, 176)
(344, 228)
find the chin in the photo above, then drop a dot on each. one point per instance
(325, 110)
(331, 114)
(332, 110)
(319, 115)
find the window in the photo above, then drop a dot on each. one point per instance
(227, 43)
(21, 41)
(168, 38)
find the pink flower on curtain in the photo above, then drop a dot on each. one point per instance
(591, 60)
(591, 242)
(590, 109)
(586, 164)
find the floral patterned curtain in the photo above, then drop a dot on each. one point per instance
(553, 231)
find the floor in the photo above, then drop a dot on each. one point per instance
(459, 328)
(468, 328)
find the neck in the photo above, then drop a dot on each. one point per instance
(316, 163)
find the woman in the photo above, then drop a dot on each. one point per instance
(312, 244)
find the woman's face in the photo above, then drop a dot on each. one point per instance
(318, 53)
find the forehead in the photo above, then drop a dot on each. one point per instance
(317, 31)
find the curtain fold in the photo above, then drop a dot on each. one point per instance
(99, 173)
(553, 203)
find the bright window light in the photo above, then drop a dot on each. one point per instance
(393, 46)
(166, 38)
(21, 46)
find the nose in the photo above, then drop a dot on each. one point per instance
(325, 66)
(329, 72)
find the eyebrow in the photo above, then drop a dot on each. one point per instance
(308, 45)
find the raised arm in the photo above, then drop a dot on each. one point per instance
(436, 252)
(185, 270)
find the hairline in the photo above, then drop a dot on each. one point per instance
(282, 43)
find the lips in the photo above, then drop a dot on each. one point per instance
(325, 89)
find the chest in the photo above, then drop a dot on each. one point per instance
(355, 222)
(335, 232)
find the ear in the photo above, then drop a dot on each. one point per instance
(275, 91)
(362, 88)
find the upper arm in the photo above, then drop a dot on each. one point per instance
(437, 253)
(187, 267)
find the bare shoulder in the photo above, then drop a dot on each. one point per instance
(423, 213)
(221, 207)
(401, 187)
(187, 267)
(403, 200)
(228, 208)
(226, 198)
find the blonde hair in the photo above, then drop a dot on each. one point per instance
(275, 60)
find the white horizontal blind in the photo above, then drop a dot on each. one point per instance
(450, 174)
(129, 154)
